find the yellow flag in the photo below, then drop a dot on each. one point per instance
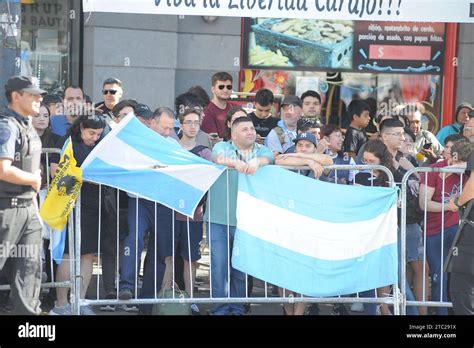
(63, 190)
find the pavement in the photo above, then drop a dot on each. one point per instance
(201, 290)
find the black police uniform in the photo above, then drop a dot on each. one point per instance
(20, 226)
(461, 265)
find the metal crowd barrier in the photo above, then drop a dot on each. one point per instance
(77, 302)
(424, 302)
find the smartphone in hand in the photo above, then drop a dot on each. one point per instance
(427, 146)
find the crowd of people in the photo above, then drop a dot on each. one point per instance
(220, 130)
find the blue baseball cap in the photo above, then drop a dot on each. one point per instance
(144, 111)
(306, 136)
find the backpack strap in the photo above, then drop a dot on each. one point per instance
(280, 133)
(198, 148)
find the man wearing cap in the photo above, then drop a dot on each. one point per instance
(305, 155)
(460, 118)
(281, 137)
(20, 180)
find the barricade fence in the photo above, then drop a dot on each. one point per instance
(47, 257)
(399, 297)
(140, 292)
(425, 245)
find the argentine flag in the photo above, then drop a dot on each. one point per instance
(315, 238)
(136, 159)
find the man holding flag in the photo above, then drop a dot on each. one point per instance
(20, 180)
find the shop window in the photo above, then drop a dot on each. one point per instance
(46, 28)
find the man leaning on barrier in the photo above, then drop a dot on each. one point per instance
(244, 155)
(20, 180)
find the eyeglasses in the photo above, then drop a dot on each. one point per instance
(192, 123)
(221, 87)
(398, 134)
(109, 91)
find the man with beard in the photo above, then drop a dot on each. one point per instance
(215, 113)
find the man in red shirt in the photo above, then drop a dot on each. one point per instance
(215, 113)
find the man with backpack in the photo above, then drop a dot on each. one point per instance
(281, 137)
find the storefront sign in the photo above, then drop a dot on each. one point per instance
(359, 46)
(45, 15)
(369, 10)
(399, 47)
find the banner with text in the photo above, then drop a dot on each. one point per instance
(343, 45)
(461, 11)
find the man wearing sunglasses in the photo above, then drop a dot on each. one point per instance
(216, 112)
(112, 92)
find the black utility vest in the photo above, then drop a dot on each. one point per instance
(27, 156)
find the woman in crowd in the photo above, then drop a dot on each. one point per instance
(48, 140)
(85, 133)
(376, 153)
(232, 115)
(461, 115)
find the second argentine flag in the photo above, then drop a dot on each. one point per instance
(315, 238)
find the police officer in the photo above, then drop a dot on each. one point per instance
(20, 180)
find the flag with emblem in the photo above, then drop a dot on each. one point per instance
(62, 194)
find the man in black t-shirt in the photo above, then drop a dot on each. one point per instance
(355, 134)
(262, 118)
(460, 262)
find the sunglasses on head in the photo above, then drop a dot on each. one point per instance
(221, 87)
(310, 123)
(109, 91)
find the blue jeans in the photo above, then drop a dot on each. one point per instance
(140, 223)
(433, 253)
(220, 242)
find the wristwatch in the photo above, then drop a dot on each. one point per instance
(456, 199)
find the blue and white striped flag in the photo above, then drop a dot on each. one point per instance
(58, 244)
(138, 160)
(315, 238)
